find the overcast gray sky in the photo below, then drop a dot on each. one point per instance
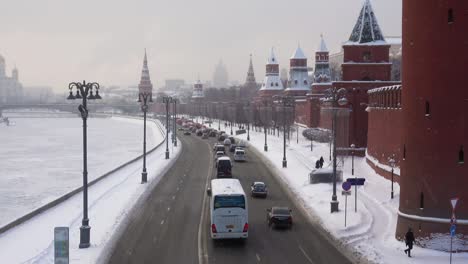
(54, 42)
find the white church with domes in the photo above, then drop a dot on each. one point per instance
(11, 90)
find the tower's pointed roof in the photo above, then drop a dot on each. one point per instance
(250, 73)
(145, 81)
(298, 54)
(322, 46)
(367, 28)
(272, 58)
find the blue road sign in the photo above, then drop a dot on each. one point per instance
(356, 181)
(346, 186)
(452, 230)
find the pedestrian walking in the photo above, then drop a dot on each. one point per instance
(409, 239)
(321, 161)
(317, 164)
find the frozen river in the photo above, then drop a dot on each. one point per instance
(42, 158)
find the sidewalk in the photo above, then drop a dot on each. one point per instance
(370, 230)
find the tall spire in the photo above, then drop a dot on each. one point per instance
(145, 81)
(250, 74)
(367, 28)
(322, 47)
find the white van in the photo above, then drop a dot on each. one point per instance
(239, 155)
(228, 209)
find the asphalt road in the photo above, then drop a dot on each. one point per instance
(167, 228)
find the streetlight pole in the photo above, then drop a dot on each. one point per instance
(355, 177)
(82, 91)
(167, 100)
(392, 162)
(145, 96)
(175, 122)
(335, 98)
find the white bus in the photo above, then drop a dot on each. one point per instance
(228, 209)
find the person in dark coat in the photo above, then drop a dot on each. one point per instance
(321, 161)
(409, 239)
(317, 164)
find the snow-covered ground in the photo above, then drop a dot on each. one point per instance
(110, 200)
(370, 230)
(42, 158)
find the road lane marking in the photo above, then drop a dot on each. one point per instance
(202, 247)
(258, 257)
(305, 254)
(169, 208)
(173, 197)
(177, 188)
(162, 222)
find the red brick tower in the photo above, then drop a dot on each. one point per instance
(435, 120)
(366, 65)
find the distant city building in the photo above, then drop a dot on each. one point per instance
(198, 93)
(220, 76)
(11, 90)
(174, 84)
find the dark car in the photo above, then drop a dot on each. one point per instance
(221, 137)
(232, 140)
(232, 148)
(187, 133)
(212, 134)
(199, 133)
(279, 217)
(258, 189)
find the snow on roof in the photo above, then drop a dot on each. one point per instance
(384, 89)
(226, 186)
(322, 47)
(367, 28)
(272, 58)
(298, 54)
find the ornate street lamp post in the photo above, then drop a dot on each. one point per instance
(144, 98)
(286, 105)
(175, 122)
(355, 177)
(335, 97)
(265, 116)
(248, 114)
(84, 91)
(167, 100)
(392, 163)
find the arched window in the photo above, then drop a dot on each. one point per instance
(450, 16)
(295, 81)
(404, 151)
(272, 84)
(461, 155)
(305, 82)
(428, 109)
(276, 84)
(421, 201)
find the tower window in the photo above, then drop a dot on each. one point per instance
(428, 109)
(404, 151)
(305, 81)
(272, 84)
(276, 84)
(450, 16)
(421, 201)
(366, 56)
(295, 81)
(461, 156)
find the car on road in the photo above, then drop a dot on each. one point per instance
(212, 134)
(232, 148)
(232, 140)
(219, 147)
(227, 142)
(187, 133)
(205, 136)
(239, 155)
(181, 129)
(199, 133)
(219, 154)
(223, 167)
(221, 137)
(279, 217)
(258, 189)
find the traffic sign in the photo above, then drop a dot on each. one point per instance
(356, 181)
(346, 186)
(345, 192)
(454, 202)
(453, 228)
